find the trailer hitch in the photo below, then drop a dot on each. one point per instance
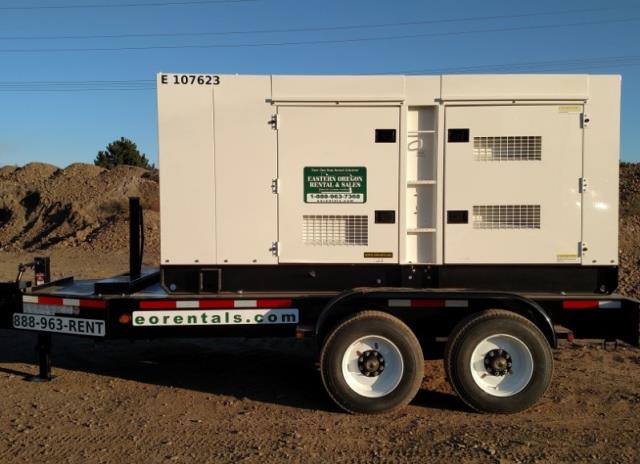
(41, 268)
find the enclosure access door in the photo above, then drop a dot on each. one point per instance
(513, 184)
(338, 184)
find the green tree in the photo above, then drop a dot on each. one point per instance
(122, 151)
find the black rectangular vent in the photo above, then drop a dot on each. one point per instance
(458, 217)
(210, 280)
(385, 136)
(385, 217)
(458, 135)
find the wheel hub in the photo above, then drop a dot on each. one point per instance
(371, 363)
(498, 362)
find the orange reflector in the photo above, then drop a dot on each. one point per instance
(299, 334)
(124, 319)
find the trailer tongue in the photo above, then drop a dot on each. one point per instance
(390, 218)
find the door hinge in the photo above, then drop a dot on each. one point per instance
(583, 185)
(275, 248)
(275, 121)
(275, 185)
(582, 246)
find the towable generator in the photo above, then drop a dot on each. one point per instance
(388, 217)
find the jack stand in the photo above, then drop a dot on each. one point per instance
(43, 348)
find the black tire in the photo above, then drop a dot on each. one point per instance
(371, 323)
(469, 333)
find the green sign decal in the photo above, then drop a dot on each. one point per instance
(335, 184)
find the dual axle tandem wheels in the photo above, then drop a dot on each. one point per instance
(496, 361)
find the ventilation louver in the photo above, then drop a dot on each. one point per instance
(335, 230)
(506, 217)
(512, 148)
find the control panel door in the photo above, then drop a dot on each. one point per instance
(338, 184)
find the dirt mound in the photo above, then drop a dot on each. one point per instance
(42, 206)
(630, 229)
(83, 170)
(6, 171)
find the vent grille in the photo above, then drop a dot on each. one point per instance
(514, 148)
(335, 230)
(506, 217)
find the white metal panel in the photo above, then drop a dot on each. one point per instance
(422, 90)
(601, 165)
(246, 165)
(515, 87)
(324, 136)
(187, 196)
(338, 88)
(550, 184)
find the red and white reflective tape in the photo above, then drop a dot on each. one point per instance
(426, 303)
(57, 301)
(214, 304)
(592, 304)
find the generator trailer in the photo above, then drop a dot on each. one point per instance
(390, 218)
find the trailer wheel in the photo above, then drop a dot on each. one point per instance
(498, 362)
(371, 363)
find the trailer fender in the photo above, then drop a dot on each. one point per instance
(359, 299)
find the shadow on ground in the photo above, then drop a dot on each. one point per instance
(277, 371)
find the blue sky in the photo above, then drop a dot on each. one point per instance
(42, 119)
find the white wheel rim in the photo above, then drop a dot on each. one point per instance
(521, 367)
(381, 383)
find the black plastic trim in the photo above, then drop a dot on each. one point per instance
(458, 135)
(385, 136)
(457, 217)
(341, 277)
(385, 216)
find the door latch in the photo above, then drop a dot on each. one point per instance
(275, 121)
(583, 248)
(275, 248)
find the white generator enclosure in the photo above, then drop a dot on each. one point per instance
(408, 170)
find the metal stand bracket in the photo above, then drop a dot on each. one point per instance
(43, 348)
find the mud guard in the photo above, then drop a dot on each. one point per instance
(351, 301)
